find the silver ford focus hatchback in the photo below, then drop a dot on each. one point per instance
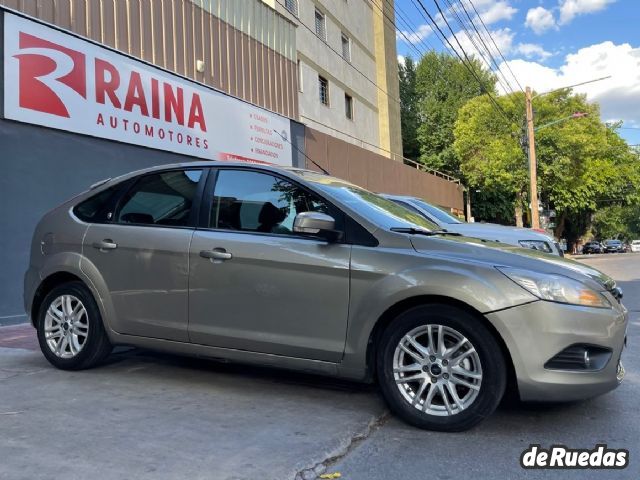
(299, 270)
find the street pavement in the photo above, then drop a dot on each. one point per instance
(153, 416)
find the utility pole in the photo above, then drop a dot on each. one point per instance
(533, 164)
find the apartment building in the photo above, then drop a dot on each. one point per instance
(347, 70)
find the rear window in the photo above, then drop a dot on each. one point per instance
(164, 198)
(93, 209)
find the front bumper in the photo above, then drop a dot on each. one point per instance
(537, 331)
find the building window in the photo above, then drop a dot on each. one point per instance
(292, 6)
(348, 106)
(321, 25)
(323, 85)
(299, 76)
(346, 48)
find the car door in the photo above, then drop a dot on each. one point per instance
(141, 253)
(255, 285)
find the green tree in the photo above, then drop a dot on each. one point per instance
(443, 85)
(617, 221)
(409, 108)
(491, 156)
(609, 222)
(582, 163)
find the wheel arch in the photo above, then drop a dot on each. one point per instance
(49, 283)
(403, 305)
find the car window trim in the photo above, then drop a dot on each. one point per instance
(208, 203)
(132, 182)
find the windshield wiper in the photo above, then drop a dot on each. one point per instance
(422, 231)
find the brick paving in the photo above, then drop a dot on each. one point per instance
(19, 336)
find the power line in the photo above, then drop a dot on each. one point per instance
(473, 73)
(494, 42)
(486, 47)
(500, 77)
(389, 20)
(344, 59)
(412, 27)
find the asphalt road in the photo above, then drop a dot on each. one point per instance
(152, 416)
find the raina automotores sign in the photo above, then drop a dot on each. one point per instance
(60, 81)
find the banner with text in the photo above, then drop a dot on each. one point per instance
(60, 81)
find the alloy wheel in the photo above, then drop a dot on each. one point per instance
(437, 370)
(66, 326)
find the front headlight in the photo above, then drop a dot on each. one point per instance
(536, 245)
(556, 288)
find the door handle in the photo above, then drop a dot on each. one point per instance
(106, 244)
(216, 254)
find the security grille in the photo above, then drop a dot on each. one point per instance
(323, 85)
(321, 27)
(292, 6)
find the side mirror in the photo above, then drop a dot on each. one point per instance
(316, 224)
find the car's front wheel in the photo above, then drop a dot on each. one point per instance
(440, 368)
(70, 329)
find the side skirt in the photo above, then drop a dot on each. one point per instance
(241, 356)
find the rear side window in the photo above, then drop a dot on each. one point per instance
(164, 199)
(93, 210)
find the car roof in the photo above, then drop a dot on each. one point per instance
(202, 164)
(218, 163)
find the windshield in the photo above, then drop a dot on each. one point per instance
(384, 213)
(436, 212)
(613, 242)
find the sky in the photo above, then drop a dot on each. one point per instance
(546, 44)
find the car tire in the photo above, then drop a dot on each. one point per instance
(476, 372)
(70, 329)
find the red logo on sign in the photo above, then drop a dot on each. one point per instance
(45, 69)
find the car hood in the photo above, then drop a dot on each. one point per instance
(495, 232)
(468, 249)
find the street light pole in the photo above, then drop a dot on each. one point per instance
(533, 165)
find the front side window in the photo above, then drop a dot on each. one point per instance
(163, 199)
(259, 202)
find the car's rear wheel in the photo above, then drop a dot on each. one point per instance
(440, 368)
(70, 329)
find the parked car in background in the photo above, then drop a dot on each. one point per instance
(635, 246)
(520, 237)
(592, 247)
(291, 268)
(614, 246)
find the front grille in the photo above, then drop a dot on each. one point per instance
(580, 357)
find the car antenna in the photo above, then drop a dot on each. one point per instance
(303, 153)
